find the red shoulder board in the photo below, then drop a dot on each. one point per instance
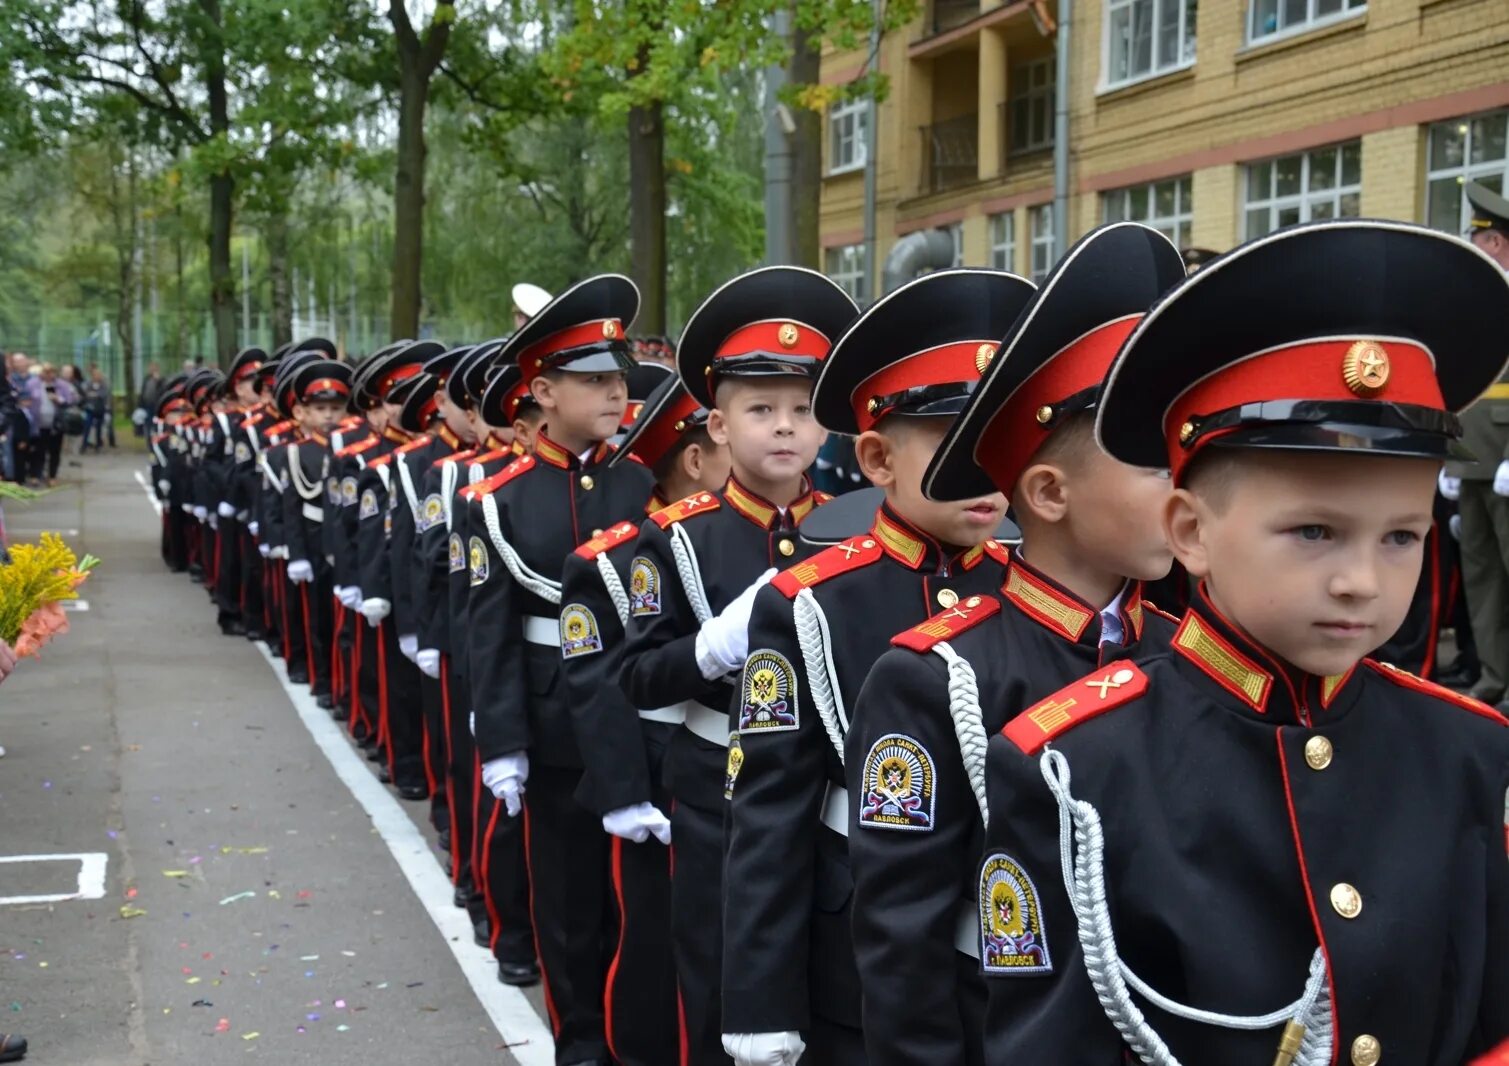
(352, 450)
(1499, 1056)
(853, 554)
(997, 551)
(350, 422)
(508, 473)
(1405, 679)
(820, 498)
(280, 427)
(1109, 687)
(947, 624)
(413, 445)
(253, 418)
(608, 538)
(496, 453)
(384, 458)
(454, 457)
(697, 503)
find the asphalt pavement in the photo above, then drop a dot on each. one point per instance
(196, 867)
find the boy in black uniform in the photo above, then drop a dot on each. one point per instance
(1070, 599)
(749, 354)
(623, 748)
(273, 523)
(1260, 818)
(895, 381)
(573, 354)
(227, 452)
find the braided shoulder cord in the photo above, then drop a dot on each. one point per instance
(691, 576)
(475, 473)
(272, 476)
(615, 588)
(541, 586)
(817, 656)
(296, 476)
(969, 723)
(449, 475)
(385, 475)
(406, 479)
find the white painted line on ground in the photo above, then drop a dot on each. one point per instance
(141, 479)
(527, 1036)
(91, 877)
(75, 605)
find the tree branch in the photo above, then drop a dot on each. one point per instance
(407, 40)
(158, 76)
(437, 36)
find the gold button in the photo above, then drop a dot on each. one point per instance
(1318, 753)
(1366, 1051)
(868, 544)
(1186, 431)
(1346, 900)
(587, 482)
(785, 547)
(947, 597)
(1044, 415)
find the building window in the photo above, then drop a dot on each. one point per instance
(1031, 106)
(1041, 218)
(848, 266)
(1321, 183)
(1475, 148)
(1148, 37)
(848, 136)
(1275, 18)
(1166, 206)
(1003, 241)
(956, 234)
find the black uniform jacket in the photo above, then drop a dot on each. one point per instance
(378, 498)
(463, 543)
(788, 887)
(1252, 814)
(304, 500)
(914, 846)
(431, 574)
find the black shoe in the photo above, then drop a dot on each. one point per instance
(255, 634)
(325, 700)
(12, 1047)
(298, 677)
(445, 841)
(482, 933)
(518, 974)
(340, 713)
(374, 753)
(414, 792)
(462, 896)
(383, 775)
(233, 627)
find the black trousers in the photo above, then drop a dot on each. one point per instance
(403, 713)
(502, 873)
(366, 701)
(573, 924)
(228, 570)
(250, 581)
(291, 622)
(45, 453)
(461, 784)
(697, 929)
(432, 700)
(315, 599)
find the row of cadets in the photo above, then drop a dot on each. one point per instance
(354, 430)
(169, 449)
(895, 381)
(623, 750)
(572, 357)
(750, 355)
(1070, 599)
(1261, 818)
(225, 455)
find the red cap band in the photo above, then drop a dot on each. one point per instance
(328, 385)
(957, 363)
(380, 387)
(532, 359)
(661, 435)
(776, 338)
(246, 371)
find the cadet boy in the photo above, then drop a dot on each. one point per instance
(749, 354)
(895, 381)
(915, 749)
(573, 355)
(1260, 818)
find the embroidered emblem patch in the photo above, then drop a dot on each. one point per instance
(348, 491)
(369, 505)
(644, 588)
(387, 523)
(579, 635)
(899, 786)
(769, 703)
(477, 556)
(457, 553)
(735, 764)
(333, 491)
(431, 512)
(1012, 940)
(243, 452)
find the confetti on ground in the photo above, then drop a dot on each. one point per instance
(201, 1003)
(258, 850)
(238, 896)
(309, 958)
(175, 873)
(349, 954)
(343, 1028)
(250, 1036)
(340, 1004)
(193, 980)
(131, 912)
(223, 1025)
(273, 893)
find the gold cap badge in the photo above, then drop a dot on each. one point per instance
(788, 336)
(983, 355)
(1365, 368)
(610, 329)
(1186, 432)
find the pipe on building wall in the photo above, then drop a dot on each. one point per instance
(872, 140)
(926, 249)
(1061, 133)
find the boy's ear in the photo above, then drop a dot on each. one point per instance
(543, 391)
(876, 458)
(1184, 519)
(1043, 491)
(690, 461)
(717, 426)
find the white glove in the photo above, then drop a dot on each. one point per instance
(202, 513)
(375, 610)
(226, 510)
(1501, 479)
(471, 722)
(1455, 525)
(428, 660)
(264, 550)
(409, 645)
(255, 528)
(636, 823)
(505, 777)
(764, 1049)
(164, 488)
(723, 641)
(300, 571)
(351, 598)
(215, 522)
(1451, 487)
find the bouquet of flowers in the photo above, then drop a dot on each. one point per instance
(33, 586)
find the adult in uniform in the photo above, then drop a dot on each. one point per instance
(1485, 482)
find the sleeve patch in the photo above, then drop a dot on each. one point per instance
(1013, 941)
(477, 556)
(243, 452)
(348, 491)
(899, 786)
(369, 505)
(768, 702)
(457, 553)
(644, 588)
(333, 491)
(734, 765)
(579, 633)
(431, 512)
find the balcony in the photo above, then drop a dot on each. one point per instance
(944, 15)
(950, 153)
(1026, 130)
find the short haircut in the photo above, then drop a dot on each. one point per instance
(1069, 442)
(1212, 473)
(728, 387)
(531, 414)
(667, 463)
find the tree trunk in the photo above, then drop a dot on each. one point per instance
(275, 233)
(647, 214)
(806, 155)
(222, 194)
(408, 202)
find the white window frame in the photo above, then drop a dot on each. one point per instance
(1464, 172)
(1160, 65)
(1305, 199)
(848, 266)
(1040, 222)
(857, 112)
(1116, 206)
(1033, 97)
(1003, 240)
(1310, 21)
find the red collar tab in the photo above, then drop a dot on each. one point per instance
(536, 357)
(397, 436)
(656, 502)
(1111, 686)
(959, 363)
(1045, 602)
(1029, 414)
(762, 512)
(1389, 371)
(380, 387)
(548, 451)
(903, 542)
(652, 443)
(778, 337)
(452, 441)
(518, 448)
